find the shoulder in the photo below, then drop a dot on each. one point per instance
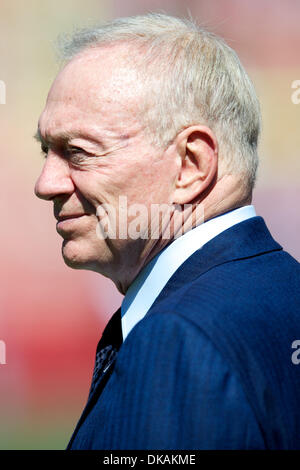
(244, 290)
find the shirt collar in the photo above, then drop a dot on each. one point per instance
(155, 275)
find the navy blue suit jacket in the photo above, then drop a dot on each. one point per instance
(210, 365)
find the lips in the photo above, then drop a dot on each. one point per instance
(62, 217)
(67, 223)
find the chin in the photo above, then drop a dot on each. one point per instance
(79, 254)
(75, 256)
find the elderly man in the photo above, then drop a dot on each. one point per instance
(150, 133)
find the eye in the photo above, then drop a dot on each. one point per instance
(75, 150)
(75, 155)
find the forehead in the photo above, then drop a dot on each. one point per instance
(96, 88)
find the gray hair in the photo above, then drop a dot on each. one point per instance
(191, 77)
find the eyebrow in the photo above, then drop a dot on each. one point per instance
(63, 137)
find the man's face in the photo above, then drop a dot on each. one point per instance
(97, 151)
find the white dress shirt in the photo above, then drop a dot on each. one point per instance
(155, 275)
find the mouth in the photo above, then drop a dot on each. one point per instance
(65, 223)
(62, 218)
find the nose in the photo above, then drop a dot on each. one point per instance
(55, 179)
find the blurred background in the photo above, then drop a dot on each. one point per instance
(51, 317)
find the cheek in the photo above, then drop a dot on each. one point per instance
(157, 181)
(139, 179)
(105, 183)
(90, 186)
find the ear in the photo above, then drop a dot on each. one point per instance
(198, 150)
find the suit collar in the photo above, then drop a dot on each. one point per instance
(244, 240)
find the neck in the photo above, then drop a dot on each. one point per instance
(228, 193)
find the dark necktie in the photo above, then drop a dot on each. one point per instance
(106, 354)
(107, 350)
